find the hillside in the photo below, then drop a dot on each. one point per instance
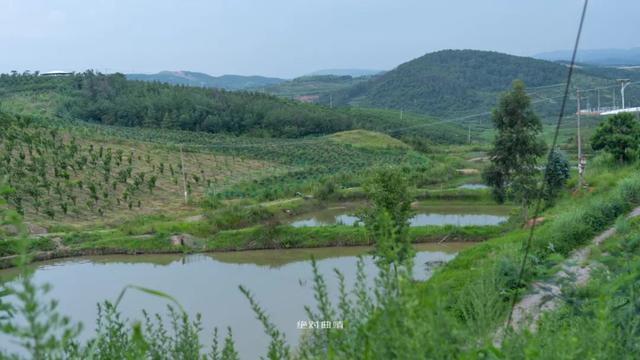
(190, 78)
(313, 88)
(113, 100)
(451, 80)
(452, 83)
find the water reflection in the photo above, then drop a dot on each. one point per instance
(473, 186)
(208, 284)
(425, 215)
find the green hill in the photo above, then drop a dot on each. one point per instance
(457, 82)
(197, 79)
(366, 139)
(114, 100)
(451, 80)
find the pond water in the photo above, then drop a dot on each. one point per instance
(473, 186)
(281, 281)
(462, 214)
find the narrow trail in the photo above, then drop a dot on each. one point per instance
(545, 295)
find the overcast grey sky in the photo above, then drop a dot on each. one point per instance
(289, 38)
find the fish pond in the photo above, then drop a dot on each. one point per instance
(425, 214)
(281, 281)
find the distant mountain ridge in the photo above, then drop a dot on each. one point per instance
(198, 79)
(603, 57)
(346, 72)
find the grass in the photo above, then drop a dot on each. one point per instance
(598, 321)
(155, 237)
(366, 139)
(473, 291)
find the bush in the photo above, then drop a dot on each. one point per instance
(235, 217)
(211, 200)
(578, 226)
(326, 189)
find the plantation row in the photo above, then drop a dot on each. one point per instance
(73, 169)
(312, 151)
(54, 173)
(301, 162)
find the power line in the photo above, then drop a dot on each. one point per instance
(546, 170)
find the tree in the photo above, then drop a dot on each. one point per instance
(556, 176)
(388, 219)
(618, 135)
(513, 171)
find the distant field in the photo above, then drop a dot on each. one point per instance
(320, 85)
(366, 139)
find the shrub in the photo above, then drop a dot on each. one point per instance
(326, 189)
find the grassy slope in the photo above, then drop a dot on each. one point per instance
(598, 321)
(366, 139)
(473, 290)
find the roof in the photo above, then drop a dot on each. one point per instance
(625, 110)
(56, 72)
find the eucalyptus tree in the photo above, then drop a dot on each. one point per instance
(513, 173)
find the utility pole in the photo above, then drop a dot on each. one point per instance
(581, 159)
(184, 177)
(623, 84)
(598, 92)
(400, 113)
(469, 135)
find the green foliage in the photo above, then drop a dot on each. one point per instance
(210, 199)
(596, 322)
(366, 139)
(513, 171)
(388, 218)
(618, 135)
(236, 216)
(53, 173)
(572, 228)
(34, 324)
(453, 315)
(113, 100)
(556, 176)
(450, 79)
(278, 347)
(326, 189)
(314, 86)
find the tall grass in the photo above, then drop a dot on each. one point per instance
(597, 322)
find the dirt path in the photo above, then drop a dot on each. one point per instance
(544, 296)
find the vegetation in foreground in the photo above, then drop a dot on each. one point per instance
(455, 314)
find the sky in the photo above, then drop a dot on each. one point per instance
(289, 38)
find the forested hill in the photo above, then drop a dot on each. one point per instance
(450, 81)
(197, 79)
(114, 100)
